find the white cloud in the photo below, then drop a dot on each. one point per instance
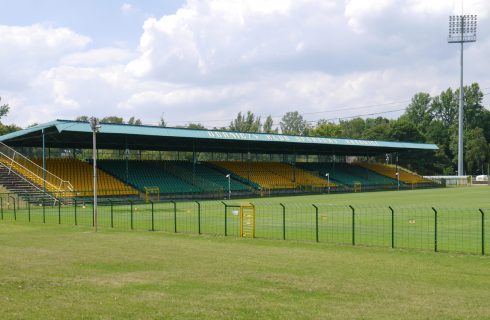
(126, 8)
(97, 57)
(27, 50)
(213, 58)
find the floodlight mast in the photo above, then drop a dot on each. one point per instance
(462, 28)
(95, 126)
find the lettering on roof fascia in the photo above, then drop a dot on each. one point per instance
(271, 137)
(233, 135)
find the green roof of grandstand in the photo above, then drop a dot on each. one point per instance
(78, 134)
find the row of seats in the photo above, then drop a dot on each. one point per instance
(203, 175)
(80, 175)
(170, 176)
(187, 177)
(34, 174)
(390, 171)
(348, 174)
(141, 174)
(273, 175)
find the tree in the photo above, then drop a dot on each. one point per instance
(82, 118)
(133, 121)
(419, 111)
(445, 108)
(473, 108)
(112, 119)
(267, 127)
(248, 123)
(4, 129)
(377, 129)
(353, 128)
(293, 123)
(327, 129)
(4, 109)
(195, 126)
(403, 130)
(476, 150)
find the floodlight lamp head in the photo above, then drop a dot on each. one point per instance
(462, 28)
(94, 124)
(228, 175)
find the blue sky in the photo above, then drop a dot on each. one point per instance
(206, 60)
(103, 20)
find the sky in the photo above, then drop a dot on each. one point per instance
(206, 60)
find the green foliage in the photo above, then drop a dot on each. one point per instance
(267, 127)
(82, 118)
(4, 129)
(445, 107)
(403, 130)
(112, 119)
(327, 129)
(418, 111)
(377, 129)
(4, 109)
(293, 123)
(353, 128)
(133, 121)
(195, 126)
(248, 123)
(477, 152)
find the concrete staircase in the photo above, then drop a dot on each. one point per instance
(26, 190)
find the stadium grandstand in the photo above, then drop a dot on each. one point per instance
(55, 159)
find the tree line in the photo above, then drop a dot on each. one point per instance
(427, 119)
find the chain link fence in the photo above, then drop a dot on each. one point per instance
(444, 229)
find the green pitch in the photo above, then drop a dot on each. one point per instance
(62, 272)
(451, 220)
(51, 271)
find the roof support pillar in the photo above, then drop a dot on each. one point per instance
(44, 160)
(193, 162)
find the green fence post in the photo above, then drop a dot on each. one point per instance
(353, 225)
(175, 217)
(132, 223)
(482, 232)
(316, 222)
(15, 209)
(152, 217)
(283, 221)
(44, 212)
(392, 227)
(29, 210)
(1, 207)
(435, 229)
(198, 217)
(112, 214)
(75, 212)
(226, 222)
(59, 212)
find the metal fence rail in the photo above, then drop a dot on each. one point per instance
(445, 229)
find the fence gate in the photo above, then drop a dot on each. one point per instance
(247, 222)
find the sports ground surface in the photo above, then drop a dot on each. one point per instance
(61, 271)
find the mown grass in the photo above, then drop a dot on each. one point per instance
(412, 224)
(61, 272)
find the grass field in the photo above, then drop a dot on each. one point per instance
(61, 272)
(399, 219)
(51, 271)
